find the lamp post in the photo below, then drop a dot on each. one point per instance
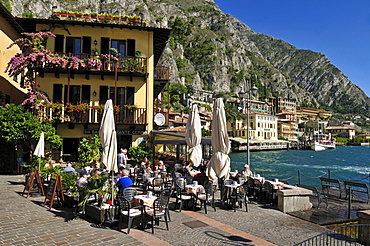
(251, 90)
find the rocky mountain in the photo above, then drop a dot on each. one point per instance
(216, 51)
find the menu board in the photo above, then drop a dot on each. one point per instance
(54, 188)
(33, 178)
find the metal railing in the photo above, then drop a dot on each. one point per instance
(102, 63)
(121, 116)
(358, 234)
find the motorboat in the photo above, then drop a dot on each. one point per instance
(322, 142)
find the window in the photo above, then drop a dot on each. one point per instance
(74, 94)
(125, 95)
(58, 45)
(120, 46)
(57, 92)
(73, 45)
(86, 92)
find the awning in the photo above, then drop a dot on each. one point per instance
(174, 138)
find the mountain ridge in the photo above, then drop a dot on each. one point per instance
(216, 51)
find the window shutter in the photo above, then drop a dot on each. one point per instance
(86, 45)
(131, 47)
(86, 92)
(104, 45)
(58, 45)
(57, 93)
(103, 94)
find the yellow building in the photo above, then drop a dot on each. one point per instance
(130, 77)
(10, 30)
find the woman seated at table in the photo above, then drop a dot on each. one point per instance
(147, 168)
(161, 167)
(124, 182)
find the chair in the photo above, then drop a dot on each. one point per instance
(207, 196)
(167, 193)
(177, 166)
(156, 186)
(127, 209)
(271, 196)
(226, 191)
(181, 194)
(260, 189)
(239, 195)
(159, 211)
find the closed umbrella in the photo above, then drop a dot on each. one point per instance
(108, 138)
(39, 150)
(193, 136)
(219, 165)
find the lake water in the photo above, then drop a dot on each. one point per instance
(345, 163)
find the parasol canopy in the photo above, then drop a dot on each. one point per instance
(193, 136)
(219, 165)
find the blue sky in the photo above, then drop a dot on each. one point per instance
(336, 28)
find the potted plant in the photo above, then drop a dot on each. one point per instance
(86, 15)
(108, 16)
(56, 12)
(70, 14)
(124, 17)
(137, 18)
(116, 17)
(131, 18)
(63, 13)
(101, 16)
(78, 14)
(93, 15)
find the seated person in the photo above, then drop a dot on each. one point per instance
(83, 178)
(69, 169)
(124, 182)
(147, 168)
(120, 174)
(246, 173)
(202, 173)
(161, 167)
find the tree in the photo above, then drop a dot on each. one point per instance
(90, 148)
(19, 124)
(232, 115)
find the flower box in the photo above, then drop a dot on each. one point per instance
(101, 214)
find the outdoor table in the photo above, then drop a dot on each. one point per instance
(258, 179)
(146, 200)
(277, 185)
(229, 191)
(194, 189)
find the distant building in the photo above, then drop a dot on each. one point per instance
(342, 131)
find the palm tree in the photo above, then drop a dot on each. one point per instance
(232, 115)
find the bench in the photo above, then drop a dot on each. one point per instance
(327, 183)
(357, 187)
(316, 193)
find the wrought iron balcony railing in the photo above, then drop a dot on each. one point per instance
(93, 114)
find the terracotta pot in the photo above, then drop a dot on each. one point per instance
(123, 18)
(108, 17)
(71, 15)
(78, 15)
(115, 18)
(101, 17)
(137, 20)
(56, 13)
(63, 14)
(87, 16)
(131, 19)
(93, 16)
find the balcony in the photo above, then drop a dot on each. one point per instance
(96, 64)
(87, 113)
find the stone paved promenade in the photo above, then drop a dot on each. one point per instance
(26, 222)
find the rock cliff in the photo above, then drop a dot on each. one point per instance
(216, 51)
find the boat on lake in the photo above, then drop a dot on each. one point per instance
(322, 142)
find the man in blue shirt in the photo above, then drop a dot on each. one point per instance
(124, 182)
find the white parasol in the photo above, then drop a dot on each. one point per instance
(219, 165)
(193, 136)
(39, 150)
(108, 138)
